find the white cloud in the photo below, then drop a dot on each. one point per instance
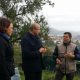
(65, 15)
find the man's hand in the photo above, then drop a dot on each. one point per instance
(69, 55)
(42, 50)
(58, 61)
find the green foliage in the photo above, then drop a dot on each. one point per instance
(48, 63)
(44, 25)
(17, 54)
(21, 12)
(48, 75)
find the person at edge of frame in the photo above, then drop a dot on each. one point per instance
(6, 49)
(65, 55)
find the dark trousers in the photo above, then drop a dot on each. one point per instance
(2, 77)
(59, 76)
(33, 75)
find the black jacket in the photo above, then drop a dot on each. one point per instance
(31, 57)
(6, 59)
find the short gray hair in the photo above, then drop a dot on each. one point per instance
(33, 26)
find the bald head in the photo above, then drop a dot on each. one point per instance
(35, 28)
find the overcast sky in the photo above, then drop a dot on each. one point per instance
(65, 15)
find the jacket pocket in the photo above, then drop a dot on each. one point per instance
(72, 66)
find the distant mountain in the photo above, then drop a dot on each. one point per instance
(77, 37)
(55, 32)
(75, 34)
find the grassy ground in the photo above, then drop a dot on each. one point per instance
(48, 75)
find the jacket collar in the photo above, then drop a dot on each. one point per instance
(66, 44)
(5, 36)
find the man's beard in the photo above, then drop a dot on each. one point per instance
(66, 43)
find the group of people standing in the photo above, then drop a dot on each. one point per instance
(65, 54)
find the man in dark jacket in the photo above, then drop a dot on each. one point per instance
(65, 55)
(32, 51)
